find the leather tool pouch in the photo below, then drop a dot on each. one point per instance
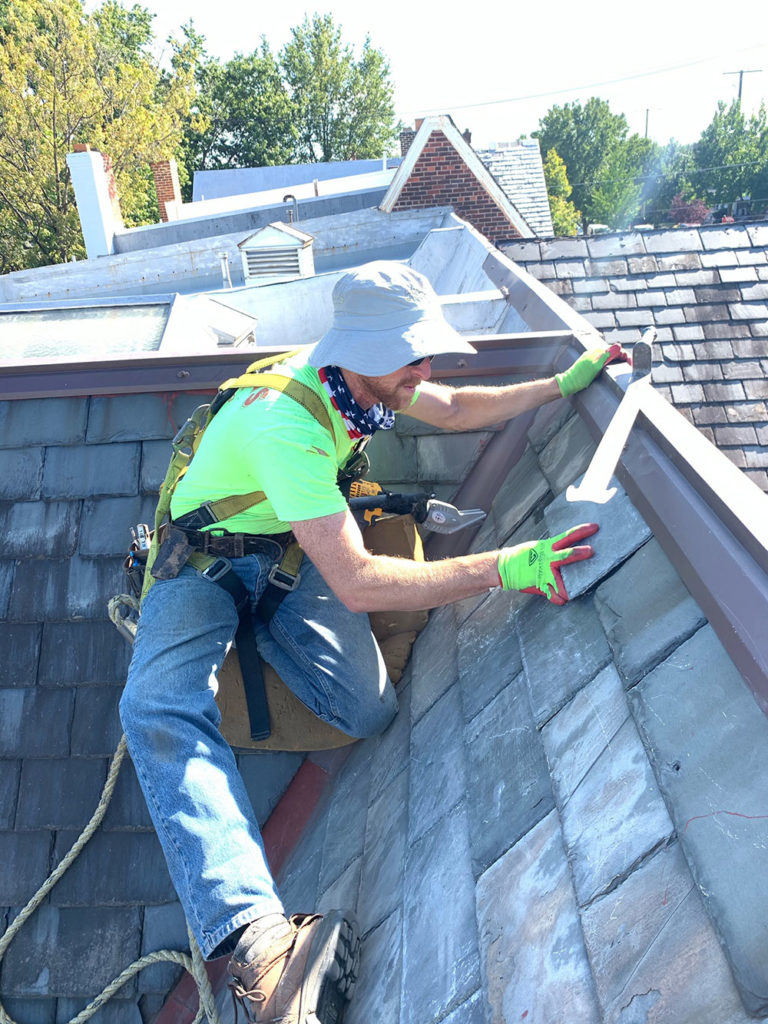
(172, 555)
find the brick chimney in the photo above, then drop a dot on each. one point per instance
(407, 135)
(166, 175)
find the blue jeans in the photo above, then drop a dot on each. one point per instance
(196, 798)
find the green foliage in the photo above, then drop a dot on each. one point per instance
(565, 216)
(243, 116)
(603, 161)
(343, 106)
(732, 155)
(67, 77)
(673, 173)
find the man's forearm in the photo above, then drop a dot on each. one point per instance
(475, 408)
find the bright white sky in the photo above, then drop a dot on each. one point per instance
(498, 67)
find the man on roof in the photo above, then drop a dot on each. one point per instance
(375, 358)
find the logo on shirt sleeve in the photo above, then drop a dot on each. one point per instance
(317, 451)
(256, 396)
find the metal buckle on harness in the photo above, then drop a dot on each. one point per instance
(217, 569)
(284, 580)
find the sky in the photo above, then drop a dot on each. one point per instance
(496, 68)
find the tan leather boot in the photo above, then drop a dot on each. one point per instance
(306, 977)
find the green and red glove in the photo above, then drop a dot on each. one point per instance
(581, 374)
(534, 567)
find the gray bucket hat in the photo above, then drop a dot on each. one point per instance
(385, 315)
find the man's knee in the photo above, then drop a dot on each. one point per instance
(371, 716)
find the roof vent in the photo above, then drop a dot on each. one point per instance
(278, 252)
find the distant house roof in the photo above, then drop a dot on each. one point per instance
(441, 168)
(518, 169)
(705, 290)
(241, 180)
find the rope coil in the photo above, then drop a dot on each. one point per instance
(191, 962)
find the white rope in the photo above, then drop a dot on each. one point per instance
(192, 962)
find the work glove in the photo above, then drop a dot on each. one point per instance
(581, 374)
(534, 567)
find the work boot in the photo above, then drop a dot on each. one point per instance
(306, 976)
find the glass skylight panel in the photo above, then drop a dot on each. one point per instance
(82, 333)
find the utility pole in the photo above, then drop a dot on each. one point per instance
(754, 71)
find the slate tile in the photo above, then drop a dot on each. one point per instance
(58, 793)
(114, 869)
(437, 772)
(549, 419)
(165, 927)
(377, 993)
(267, 774)
(127, 809)
(7, 574)
(25, 859)
(90, 471)
(298, 880)
(392, 752)
(646, 611)
(76, 587)
(106, 524)
(434, 661)
(440, 954)
(507, 773)
(82, 950)
(343, 894)
(709, 743)
(346, 819)
(449, 457)
(578, 734)
(35, 723)
(567, 455)
(96, 726)
(129, 418)
(34, 529)
(83, 652)
(532, 951)
(615, 817)
(524, 487)
(381, 886)
(563, 648)
(488, 652)
(654, 954)
(474, 1011)
(9, 788)
(21, 473)
(23, 639)
(392, 457)
(155, 458)
(43, 421)
(622, 531)
(31, 1011)
(120, 1009)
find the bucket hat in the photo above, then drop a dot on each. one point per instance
(385, 315)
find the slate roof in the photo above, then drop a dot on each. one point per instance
(705, 290)
(555, 827)
(518, 169)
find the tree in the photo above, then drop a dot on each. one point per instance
(732, 155)
(687, 212)
(603, 162)
(344, 107)
(67, 77)
(243, 115)
(673, 173)
(565, 216)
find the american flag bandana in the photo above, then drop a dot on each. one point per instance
(359, 422)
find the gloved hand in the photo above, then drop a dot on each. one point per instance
(581, 374)
(534, 567)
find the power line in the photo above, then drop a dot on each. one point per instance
(560, 92)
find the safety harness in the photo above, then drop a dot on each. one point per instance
(175, 543)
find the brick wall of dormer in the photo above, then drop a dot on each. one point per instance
(441, 178)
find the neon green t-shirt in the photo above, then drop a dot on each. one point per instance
(262, 440)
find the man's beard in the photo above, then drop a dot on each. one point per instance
(391, 395)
